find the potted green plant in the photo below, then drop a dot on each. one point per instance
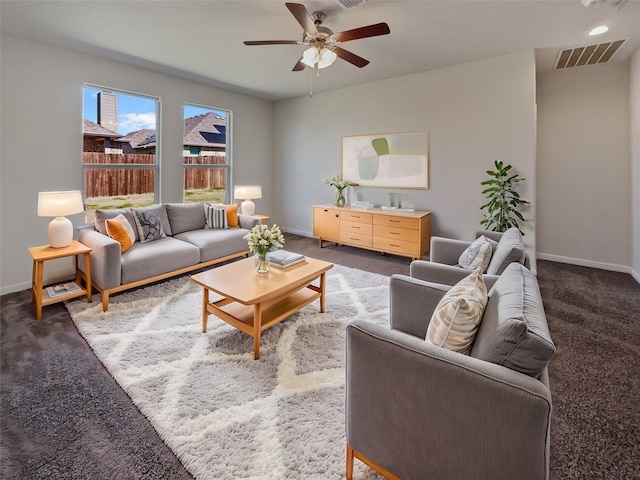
(503, 200)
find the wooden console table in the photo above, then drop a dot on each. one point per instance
(386, 231)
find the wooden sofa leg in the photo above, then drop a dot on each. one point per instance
(105, 300)
(349, 463)
(351, 454)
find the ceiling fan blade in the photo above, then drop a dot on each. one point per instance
(272, 42)
(302, 16)
(363, 32)
(350, 57)
(298, 66)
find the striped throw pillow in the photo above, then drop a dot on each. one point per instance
(216, 217)
(456, 319)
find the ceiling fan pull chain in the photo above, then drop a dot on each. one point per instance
(311, 85)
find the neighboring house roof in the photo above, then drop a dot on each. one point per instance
(144, 138)
(205, 130)
(95, 130)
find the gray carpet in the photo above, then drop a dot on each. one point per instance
(63, 416)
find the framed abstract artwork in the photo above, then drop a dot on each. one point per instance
(389, 160)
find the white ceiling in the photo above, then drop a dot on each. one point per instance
(202, 40)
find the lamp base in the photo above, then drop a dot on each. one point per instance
(248, 207)
(60, 232)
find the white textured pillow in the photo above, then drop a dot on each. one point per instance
(125, 225)
(477, 255)
(456, 319)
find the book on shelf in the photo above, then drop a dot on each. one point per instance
(63, 289)
(283, 258)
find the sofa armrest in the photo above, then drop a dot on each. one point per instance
(412, 302)
(105, 257)
(421, 411)
(446, 250)
(247, 221)
(445, 274)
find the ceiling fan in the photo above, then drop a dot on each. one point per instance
(322, 42)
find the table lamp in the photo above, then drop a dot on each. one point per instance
(59, 204)
(248, 193)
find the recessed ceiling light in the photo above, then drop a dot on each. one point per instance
(599, 30)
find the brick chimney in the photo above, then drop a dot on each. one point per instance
(108, 110)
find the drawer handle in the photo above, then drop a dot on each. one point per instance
(395, 221)
(394, 245)
(394, 233)
(356, 239)
(355, 216)
(357, 228)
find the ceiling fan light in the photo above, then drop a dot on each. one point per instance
(326, 58)
(310, 57)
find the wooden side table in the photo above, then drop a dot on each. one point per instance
(263, 218)
(43, 253)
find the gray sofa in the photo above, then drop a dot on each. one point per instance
(415, 410)
(188, 245)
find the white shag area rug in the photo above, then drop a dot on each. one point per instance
(225, 415)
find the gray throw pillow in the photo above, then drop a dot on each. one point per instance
(476, 255)
(510, 249)
(149, 223)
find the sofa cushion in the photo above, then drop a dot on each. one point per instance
(215, 217)
(121, 231)
(146, 260)
(149, 223)
(476, 255)
(185, 216)
(510, 249)
(103, 215)
(514, 330)
(216, 243)
(455, 320)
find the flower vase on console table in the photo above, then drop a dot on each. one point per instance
(340, 186)
(339, 200)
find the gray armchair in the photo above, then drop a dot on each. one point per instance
(417, 411)
(444, 253)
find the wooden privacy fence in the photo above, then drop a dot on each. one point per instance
(122, 181)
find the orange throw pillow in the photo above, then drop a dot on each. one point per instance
(116, 230)
(232, 214)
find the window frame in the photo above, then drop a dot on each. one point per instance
(156, 167)
(227, 166)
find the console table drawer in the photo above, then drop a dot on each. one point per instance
(353, 238)
(394, 233)
(401, 247)
(397, 221)
(360, 217)
(358, 228)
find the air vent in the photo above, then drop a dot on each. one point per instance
(589, 55)
(351, 3)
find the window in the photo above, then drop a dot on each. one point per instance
(120, 145)
(206, 156)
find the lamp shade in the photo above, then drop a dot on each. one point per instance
(59, 204)
(247, 192)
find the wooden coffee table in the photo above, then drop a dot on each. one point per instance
(253, 302)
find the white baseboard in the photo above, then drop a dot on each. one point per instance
(18, 287)
(635, 275)
(587, 263)
(297, 232)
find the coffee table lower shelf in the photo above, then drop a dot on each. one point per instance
(253, 319)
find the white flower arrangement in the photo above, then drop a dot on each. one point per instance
(337, 182)
(262, 239)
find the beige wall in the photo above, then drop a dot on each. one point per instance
(41, 104)
(635, 161)
(583, 171)
(475, 113)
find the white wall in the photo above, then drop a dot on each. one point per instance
(475, 113)
(41, 132)
(584, 184)
(635, 161)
